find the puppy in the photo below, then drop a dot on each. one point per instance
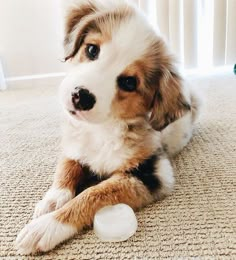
(126, 111)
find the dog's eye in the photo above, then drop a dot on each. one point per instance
(127, 83)
(92, 51)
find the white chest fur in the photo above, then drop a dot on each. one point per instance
(102, 147)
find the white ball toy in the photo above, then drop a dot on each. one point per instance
(115, 223)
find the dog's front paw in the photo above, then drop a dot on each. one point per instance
(54, 199)
(43, 234)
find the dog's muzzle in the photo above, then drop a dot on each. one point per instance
(82, 99)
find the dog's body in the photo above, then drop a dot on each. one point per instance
(127, 111)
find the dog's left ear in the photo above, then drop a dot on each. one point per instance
(169, 102)
(77, 22)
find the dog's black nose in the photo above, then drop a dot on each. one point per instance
(82, 99)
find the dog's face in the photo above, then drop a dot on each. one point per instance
(120, 67)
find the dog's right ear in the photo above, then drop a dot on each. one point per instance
(77, 21)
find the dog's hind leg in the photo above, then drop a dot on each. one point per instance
(177, 134)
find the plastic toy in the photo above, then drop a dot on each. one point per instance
(115, 223)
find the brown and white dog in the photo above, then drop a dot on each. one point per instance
(127, 111)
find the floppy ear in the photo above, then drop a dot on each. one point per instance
(77, 22)
(169, 102)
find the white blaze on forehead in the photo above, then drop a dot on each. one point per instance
(129, 42)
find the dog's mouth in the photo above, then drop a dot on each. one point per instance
(72, 112)
(77, 114)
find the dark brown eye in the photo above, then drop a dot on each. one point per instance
(92, 51)
(127, 83)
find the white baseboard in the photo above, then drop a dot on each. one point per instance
(51, 79)
(3, 85)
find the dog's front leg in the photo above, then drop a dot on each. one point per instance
(68, 175)
(45, 232)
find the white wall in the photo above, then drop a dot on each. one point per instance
(31, 37)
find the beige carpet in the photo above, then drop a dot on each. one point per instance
(197, 221)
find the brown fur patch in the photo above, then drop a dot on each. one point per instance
(75, 15)
(109, 22)
(72, 175)
(128, 105)
(68, 174)
(132, 104)
(120, 188)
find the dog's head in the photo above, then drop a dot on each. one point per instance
(121, 67)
